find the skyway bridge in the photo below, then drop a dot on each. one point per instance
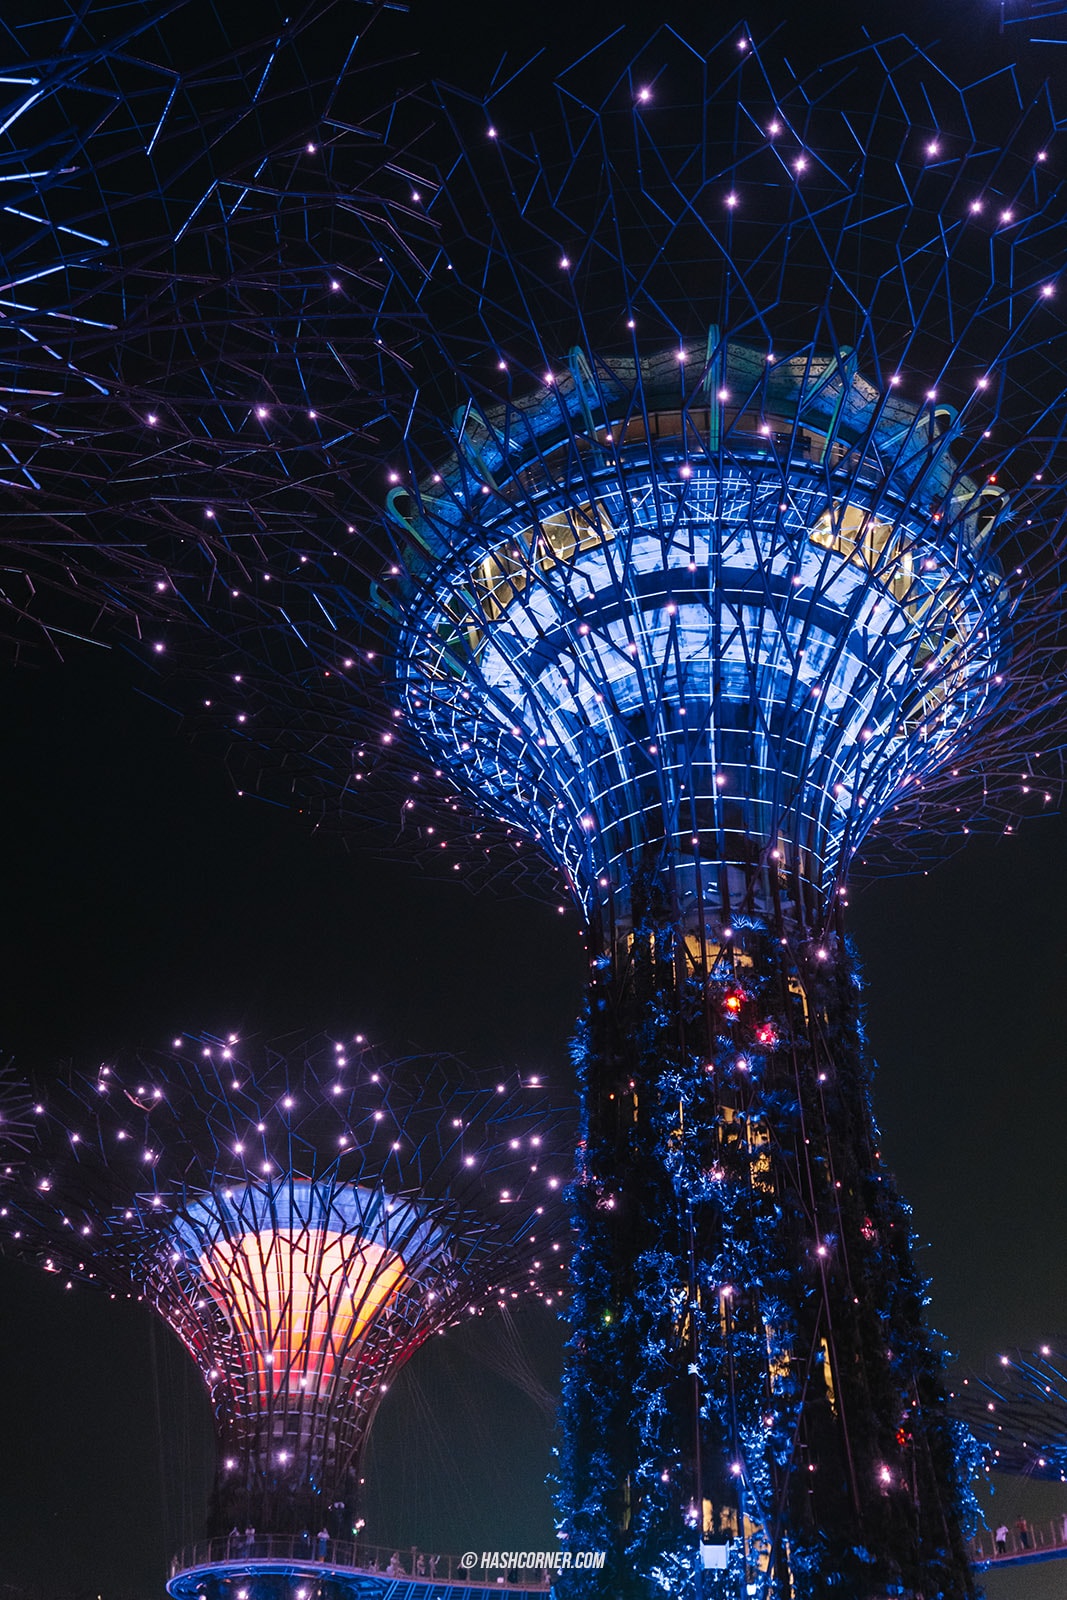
(380, 1573)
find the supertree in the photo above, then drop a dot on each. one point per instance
(720, 558)
(180, 183)
(303, 1217)
(1017, 1412)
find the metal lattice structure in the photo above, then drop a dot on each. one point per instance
(867, 422)
(1040, 22)
(303, 1220)
(722, 656)
(1017, 1411)
(168, 176)
(713, 553)
(720, 558)
(16, 1116)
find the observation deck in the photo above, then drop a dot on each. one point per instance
(292, 1567)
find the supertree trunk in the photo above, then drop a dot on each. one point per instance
(749, 1360)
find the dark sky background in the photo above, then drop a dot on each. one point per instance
(141, 897)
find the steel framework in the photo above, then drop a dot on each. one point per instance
(303, 1220)
(16, 1118)
(167, 178)
(1017, 1410)
(878, 366)
(720, 560)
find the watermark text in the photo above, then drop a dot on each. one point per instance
(533, 1560)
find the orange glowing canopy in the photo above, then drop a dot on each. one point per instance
(299, 1302)
(303, 1272)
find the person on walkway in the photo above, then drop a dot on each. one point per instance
(394, 1569)
(1022, 1533)
(420, 1565)
(322, 1540)
(1001, 1536)
(250, 1540)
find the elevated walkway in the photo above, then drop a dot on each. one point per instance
(230, 1568)
(1046, 1541)
(241, 1569)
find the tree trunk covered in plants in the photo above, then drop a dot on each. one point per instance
(749, 1368)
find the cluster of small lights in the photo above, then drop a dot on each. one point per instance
(295, 1108)
(260, 1130)
(685, 471)
(1018, 1413)
(451, 1137)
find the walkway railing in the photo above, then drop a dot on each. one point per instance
(1043, 1541)
(353, 1555)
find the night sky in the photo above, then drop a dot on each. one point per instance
(141, 897)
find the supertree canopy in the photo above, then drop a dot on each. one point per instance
(303, 1219)
(1017, 1411)
(168, 175)
(719, 559)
